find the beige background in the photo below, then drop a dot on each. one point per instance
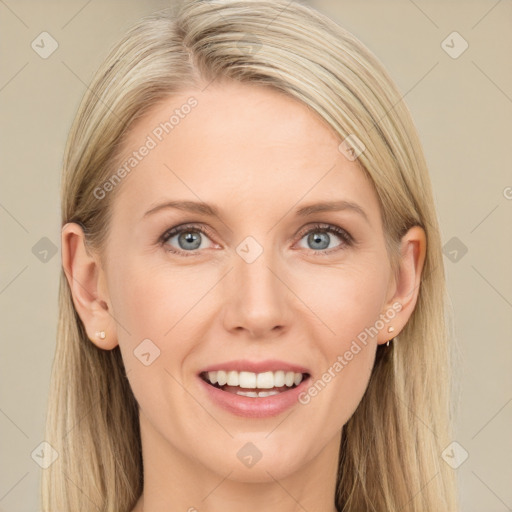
(462, 108)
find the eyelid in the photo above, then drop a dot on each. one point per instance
(323, 226)
(177, 230)
(347, 239)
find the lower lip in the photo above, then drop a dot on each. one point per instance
(255, 407)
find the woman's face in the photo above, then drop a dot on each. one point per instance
(264, 288)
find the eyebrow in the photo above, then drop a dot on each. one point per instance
(304, 211)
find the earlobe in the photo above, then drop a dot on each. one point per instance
(412, 258)
(83, 272)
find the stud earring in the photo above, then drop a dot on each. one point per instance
(101, 334)
(390, 329)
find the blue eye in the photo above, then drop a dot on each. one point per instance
(189, 238)
(318, 236)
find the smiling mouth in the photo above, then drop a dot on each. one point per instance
(254, 385)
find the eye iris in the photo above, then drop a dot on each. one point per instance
(189, 237)
(319, 237)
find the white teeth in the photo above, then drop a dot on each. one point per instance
(247, 380)
(221, 378)
(267, 393)
(232, 379)
(250, 380)
(259, 394)
(265, 380)
(289, 378)
(252, 394)
(279, 379)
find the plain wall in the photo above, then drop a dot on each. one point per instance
(462, 108)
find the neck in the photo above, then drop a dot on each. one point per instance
(174, 482)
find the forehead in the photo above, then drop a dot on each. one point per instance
(239, 146)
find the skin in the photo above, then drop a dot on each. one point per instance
(258, 155)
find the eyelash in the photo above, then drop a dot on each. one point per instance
(347, 240)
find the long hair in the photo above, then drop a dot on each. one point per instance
(390, 454)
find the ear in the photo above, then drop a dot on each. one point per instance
(404, 289)
(87, 283)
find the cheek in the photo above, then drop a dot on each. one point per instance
(349, 302)
(154, 312)
(346, 299)
(153, 301)
(156, 308)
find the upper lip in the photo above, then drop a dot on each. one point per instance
(270, 365)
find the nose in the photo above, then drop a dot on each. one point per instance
(257, 298)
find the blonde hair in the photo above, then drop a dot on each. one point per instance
(390, 455)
